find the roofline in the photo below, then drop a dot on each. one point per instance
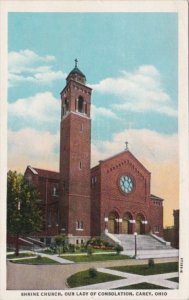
(95, 167)
(34, 170)
(157, 198)
(115, 155)
(77, 83)
(80, 73)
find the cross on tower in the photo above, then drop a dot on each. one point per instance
(126, 146)
(76, 61)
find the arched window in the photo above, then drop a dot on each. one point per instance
(80, 104)
(66, 105)
(55, 191)
(77, 224)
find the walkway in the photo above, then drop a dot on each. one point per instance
(158, 279)
(36, 277)
(54, 257)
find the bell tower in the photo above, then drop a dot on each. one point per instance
(75, 156)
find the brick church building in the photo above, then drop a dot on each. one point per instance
(114, 196)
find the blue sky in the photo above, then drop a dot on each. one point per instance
(105, 44)
(130, 61)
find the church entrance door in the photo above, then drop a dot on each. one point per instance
(126, 225)
(139, 224)
(112, 223)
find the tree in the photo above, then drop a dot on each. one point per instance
(23, 212)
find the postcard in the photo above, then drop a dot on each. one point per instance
(94, 150)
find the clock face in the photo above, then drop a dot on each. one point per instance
(126, 184)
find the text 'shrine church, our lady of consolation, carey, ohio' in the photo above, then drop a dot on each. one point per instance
(81, 202)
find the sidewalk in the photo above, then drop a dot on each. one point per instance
(54, 257)
(39, 277)
(158, 279)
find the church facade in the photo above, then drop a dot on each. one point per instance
(114, 196)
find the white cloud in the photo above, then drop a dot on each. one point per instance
(31, 147)
(28, 66)
(102, 111)
(146, 144)
(42, 107)
(140, 90)
(25, 59)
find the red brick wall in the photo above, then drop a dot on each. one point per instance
(108, 197)
(176, 228)
(95, 201)
(75, 148)
(49, 203)
(156, 219)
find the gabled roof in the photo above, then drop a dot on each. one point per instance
(44, 173)
(129, 154)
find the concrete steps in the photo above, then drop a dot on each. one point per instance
(148, 246)
(144, 242)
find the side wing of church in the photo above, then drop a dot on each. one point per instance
(114, 196)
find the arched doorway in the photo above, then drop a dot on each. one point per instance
(113, 223)
(127, 225)
(140, 224)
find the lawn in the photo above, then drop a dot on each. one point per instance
(37, 261)
(146, 270)
(95, 250)
(97, 257)
(83, 278)
(175, 279)
(25, 254)
(142, 286)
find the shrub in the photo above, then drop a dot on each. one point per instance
(53, 248)
(72, 248)
(38, 257)
(92, 272)
(106, 244)
(151, 262)
(83, 249)
(118, 248)
(65, 249)
(89, 250)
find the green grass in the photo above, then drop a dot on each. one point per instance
(145, 270)
(83, 278)
(102, 250)
(26, 254)
(142, 286)
(175, 279)
(37, 261)
(98, 257)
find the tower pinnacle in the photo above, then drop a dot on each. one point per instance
(76, 61)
